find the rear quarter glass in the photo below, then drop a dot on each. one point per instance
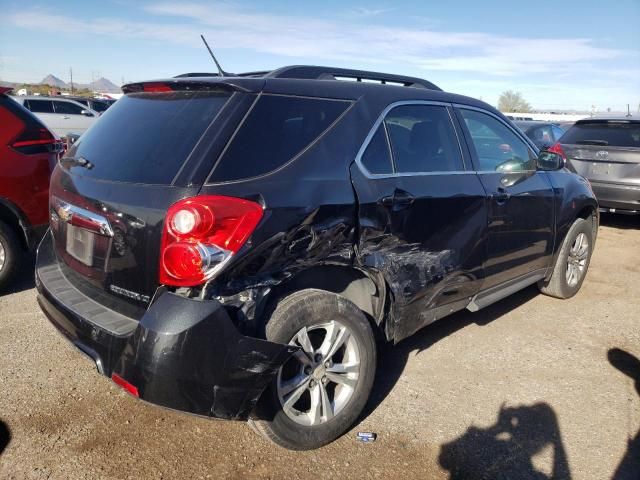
(146, 137)
(610, 134)
(274, 132)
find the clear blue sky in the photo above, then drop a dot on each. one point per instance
(559, 54)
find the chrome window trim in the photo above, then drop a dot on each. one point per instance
(394, 174)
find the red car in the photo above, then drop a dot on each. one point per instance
(28, 153)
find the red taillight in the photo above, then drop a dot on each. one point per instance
(118, 380)
(157, 87)
(557, 148)
(33, 136)
(201, 233)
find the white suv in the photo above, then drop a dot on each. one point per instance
(61, 115)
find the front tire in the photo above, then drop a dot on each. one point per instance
(317, 394)
(572, 263)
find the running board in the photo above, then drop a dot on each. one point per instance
(491, 295)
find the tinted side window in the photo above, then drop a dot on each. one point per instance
(99, 106)
(542, 135)
(67, 108)
(497, 147)
(40, 106)
(557, 132)
(377, 157)
(423, 139)
(276, 130)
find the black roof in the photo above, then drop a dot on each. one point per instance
(318, 81)
(312, 72)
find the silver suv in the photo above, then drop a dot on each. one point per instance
(61, 115)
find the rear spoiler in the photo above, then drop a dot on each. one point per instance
(197, 84)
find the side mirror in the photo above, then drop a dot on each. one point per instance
(550, 161)
(86, 113)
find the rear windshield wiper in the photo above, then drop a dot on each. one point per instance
(77, 162)
(603, 143)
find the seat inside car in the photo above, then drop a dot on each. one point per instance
(428, 149)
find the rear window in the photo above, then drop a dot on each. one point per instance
(276, 130)
(146, 137)
(614, 134)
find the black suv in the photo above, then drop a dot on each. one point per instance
(232, 246)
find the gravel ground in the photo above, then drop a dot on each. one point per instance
(523, 389)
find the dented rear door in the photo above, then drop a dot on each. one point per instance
(424, 231)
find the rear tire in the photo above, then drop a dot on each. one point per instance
(572, 263)
(318, 394)
(10, 254)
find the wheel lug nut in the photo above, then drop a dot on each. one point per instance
(325, 379)
(307, 370)
(326, 364)
(312, 384)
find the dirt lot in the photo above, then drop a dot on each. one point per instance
(523, 387)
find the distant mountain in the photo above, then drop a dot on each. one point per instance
(54, 81)
(100, 85)
(104, 85)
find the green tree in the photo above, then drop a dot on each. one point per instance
(511, 101)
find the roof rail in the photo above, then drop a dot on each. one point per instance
(330, 73)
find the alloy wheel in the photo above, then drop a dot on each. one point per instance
(577, 260)
(320, 379)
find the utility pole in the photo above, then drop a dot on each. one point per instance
(71, 76)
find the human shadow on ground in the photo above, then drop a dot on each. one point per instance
(629, 467)
(506, 449)
(5, 436)
(392, 359)
(24, 279)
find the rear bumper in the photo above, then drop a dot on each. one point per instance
(617, 197)
(183, 354)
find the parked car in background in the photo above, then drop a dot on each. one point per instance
(28, 154)
(511, 117)
(59, 114)
(606, 151)
(94, 104)
(227, 246)
(543, 134)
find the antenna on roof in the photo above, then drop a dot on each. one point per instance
(221, 72)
